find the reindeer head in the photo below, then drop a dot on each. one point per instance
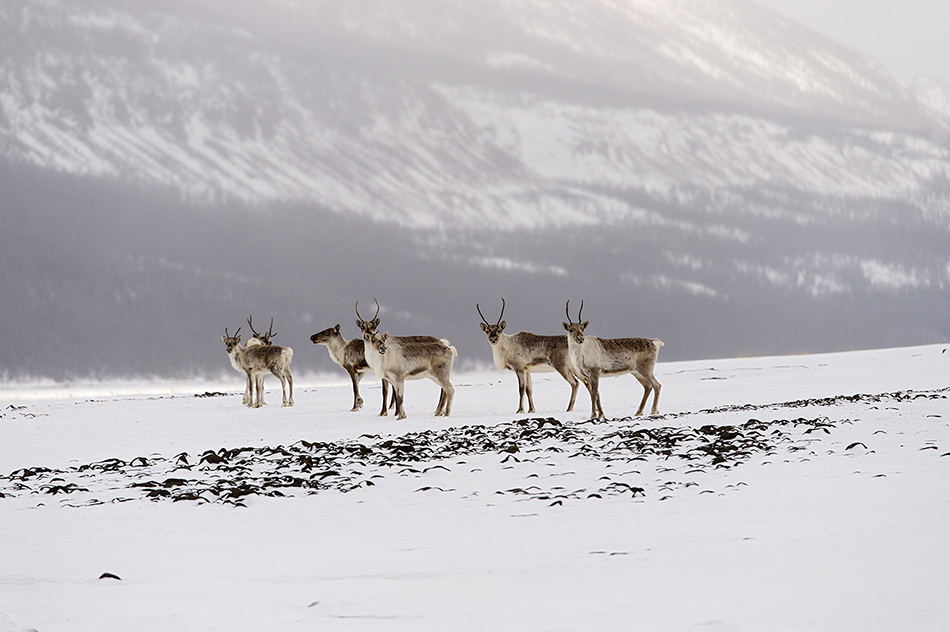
(379, 342)
(493, 331)
(231, 342)
(325, 336)
(367, 326)
(265, 337)
(575, 330)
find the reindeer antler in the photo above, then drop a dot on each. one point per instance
(567, 310)
(229, 335)
(500, 316)
(580, 310)
(270, 330)
(358, 311)
(377, 308)
(482, 315)
(251, 325)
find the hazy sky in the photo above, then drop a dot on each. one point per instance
(908, 36)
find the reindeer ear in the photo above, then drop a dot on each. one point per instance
(224, 338)
(375, 322)
(502, 325)
(359, 323)
(384, 337)
(584, 325)
(566, 327)
(337, 328)
(482, 325)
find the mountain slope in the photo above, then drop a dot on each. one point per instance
(520, 120)
(701, 171)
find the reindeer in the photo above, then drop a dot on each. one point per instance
(256, 360)
(396, 360)
(594, 357)
(264, 338)
(256, 339)
(369, 327)
(236, 340)
(349, 354)
(526, 353)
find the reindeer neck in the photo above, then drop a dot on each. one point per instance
(499, 351)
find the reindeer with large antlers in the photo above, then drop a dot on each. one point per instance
(526, 353)
(368, 329)
(256, 360)
(594, 357)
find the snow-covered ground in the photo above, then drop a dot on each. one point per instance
(767, 497)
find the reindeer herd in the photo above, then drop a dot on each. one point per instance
(577, 357)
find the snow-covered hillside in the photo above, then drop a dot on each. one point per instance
(703, 171)
(773, 493)
(432, 114)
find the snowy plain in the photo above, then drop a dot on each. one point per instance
(768, 496)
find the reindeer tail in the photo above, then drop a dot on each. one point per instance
(449, 345)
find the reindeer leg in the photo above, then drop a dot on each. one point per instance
(355, 378)
(441, 405)
(399, 389)
(647, 387)
(249, 391)
(383, 412)
(283, 386)
(656, 397)
(587, 380)
(448, 393)
(521, 390)
(529, 389)
(259, 388)
(569, 376)
(597, 411)
(290, 383)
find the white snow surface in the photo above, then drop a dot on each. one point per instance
(840, 524)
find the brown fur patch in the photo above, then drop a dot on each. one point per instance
(354, 356)
(616, 345)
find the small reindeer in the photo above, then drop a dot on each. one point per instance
(348, 354)
(594, 357)
(396, 361)
(256, 360)
(369, 327)
(236, 340)
(526, 353)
